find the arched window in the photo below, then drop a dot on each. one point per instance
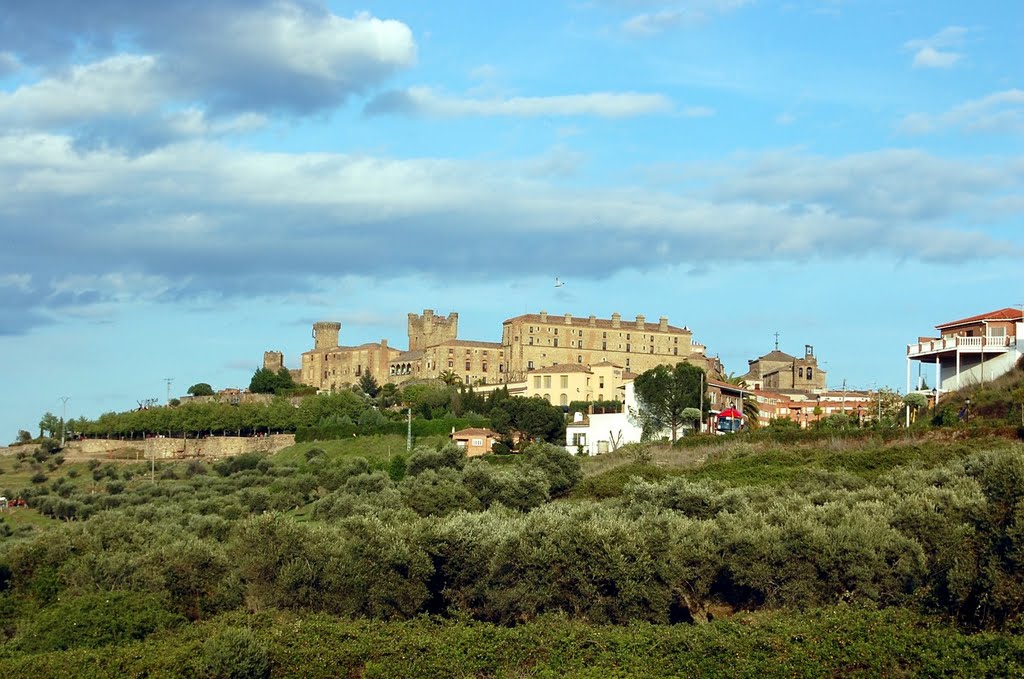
(563, 400)
(809, 373)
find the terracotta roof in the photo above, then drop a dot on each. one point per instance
(408, 356)
(1006, 314)
(605, 323)
(605, 364)
(776, 355)
(561, 368)
(472, 432)
(726, 385)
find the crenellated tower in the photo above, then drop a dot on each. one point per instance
(325, 334)
(428, 330)
(273, 361)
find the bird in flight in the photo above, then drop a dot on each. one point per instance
(559, 283)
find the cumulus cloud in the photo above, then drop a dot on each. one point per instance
(996, 113)
(426, 101)
(191, 219)
(938, 50)
(224, 59)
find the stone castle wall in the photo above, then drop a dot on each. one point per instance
(175, 448)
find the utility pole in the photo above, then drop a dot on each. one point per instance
(168, 380)
(408, 435)
(702, 401)
(63, 413)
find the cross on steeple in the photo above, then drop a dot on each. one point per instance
(776, 341)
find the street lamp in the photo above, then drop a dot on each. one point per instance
(967, 413)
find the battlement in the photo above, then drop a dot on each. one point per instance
(428, 330)
(325, 334)
(273, 360)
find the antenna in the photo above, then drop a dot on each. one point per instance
(168, 380)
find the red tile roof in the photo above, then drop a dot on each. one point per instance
(1006, 314)
(467, 433)
(561, 368)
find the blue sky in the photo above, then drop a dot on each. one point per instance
(185, 185)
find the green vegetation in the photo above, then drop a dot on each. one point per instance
(829, 552)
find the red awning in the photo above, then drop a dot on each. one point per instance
(730, 412)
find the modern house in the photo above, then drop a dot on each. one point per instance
(971, 350)
(590, 434)
(474, 442)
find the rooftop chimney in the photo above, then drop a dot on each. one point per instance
(568, 319)
(663, 324)
(616, 320)
(592, 321)
(640, 321)
(543, 317)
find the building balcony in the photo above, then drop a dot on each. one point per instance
(987, 344)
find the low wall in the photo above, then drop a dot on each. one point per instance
(172, 448)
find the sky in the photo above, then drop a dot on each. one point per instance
(186, 185)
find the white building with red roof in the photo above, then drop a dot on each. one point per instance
(970, 350)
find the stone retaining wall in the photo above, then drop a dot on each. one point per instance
(171, 448)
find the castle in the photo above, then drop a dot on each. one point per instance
(528, 342)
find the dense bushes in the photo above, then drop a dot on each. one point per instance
(927, 529)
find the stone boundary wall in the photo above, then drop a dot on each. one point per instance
(175, 448)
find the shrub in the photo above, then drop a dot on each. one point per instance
(95, 620)
(560, 466)
(235, 653)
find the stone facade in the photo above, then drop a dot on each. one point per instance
(540, 340)
(777, 370)
(529, 342)
(334, 368)
(428, 330)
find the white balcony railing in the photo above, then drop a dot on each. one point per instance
(989, 342)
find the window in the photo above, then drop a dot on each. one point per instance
(477, 443)
(547, 382)
(451, 364)
(652, 348)
(579, 359)
(556, 341)
(627, 348)
(531, 341)
(556, 331)
(484, 367)
(675, 351)
(467, 365)
(627, 335)
(604, 335)
(501, 367)
(579, 439)
(808, 373)
(563, 400)
(564, 382)
(536, 381)
(800, 371)
(627, 362)
(529, 365)
(600, 382)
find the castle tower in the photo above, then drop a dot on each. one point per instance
(428, 330)
(273, 361)
(325, 334)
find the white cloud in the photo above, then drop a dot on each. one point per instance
(678, 15)
(426, 101)
(18, 281)
(934, 52)
(224, 58)
(187, 220)
(996, 113)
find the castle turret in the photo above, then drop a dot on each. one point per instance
(428, 330)
(325, 334)
(273, 360)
